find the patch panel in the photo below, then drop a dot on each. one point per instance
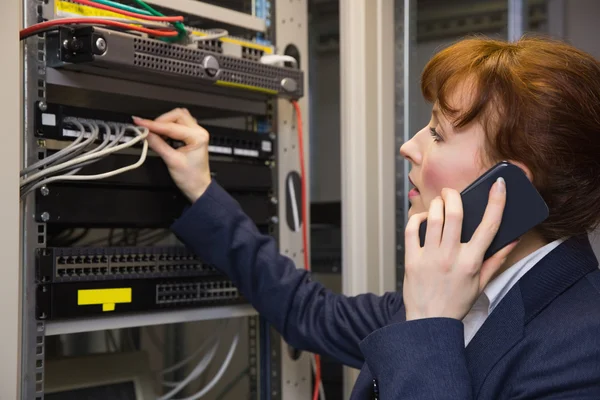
(53, 123)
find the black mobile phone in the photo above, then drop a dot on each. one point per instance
(525, 208)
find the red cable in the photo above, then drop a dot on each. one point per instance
(304, 203)
(128, 13)
(92, 21)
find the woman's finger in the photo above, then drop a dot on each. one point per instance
(170, 129)
(180, 115)
(453, 218)
(412, 241)
(493, 264)
(161, 147)
(487, 229)
(435, 223)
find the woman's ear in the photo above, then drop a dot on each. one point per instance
(524, 168)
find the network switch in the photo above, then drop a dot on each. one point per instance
(71, 300)
(76, 264)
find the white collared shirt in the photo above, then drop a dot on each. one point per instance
(499, 287)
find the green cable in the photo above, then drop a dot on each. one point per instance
(122, 7)
(178, 25)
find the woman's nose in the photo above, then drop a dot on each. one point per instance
(410, 151)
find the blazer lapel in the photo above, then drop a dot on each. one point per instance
(554, 274)
(500, 332)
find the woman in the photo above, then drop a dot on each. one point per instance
(524, 324)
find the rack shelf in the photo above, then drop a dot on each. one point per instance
(146, 319)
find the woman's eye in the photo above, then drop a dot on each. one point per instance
(436, 136)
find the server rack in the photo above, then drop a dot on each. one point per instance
(49, 80)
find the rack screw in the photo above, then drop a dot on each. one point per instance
(42, 106)
(44, 190)
(274, 220)
(274, 200)
(45, 216)
(101, 44)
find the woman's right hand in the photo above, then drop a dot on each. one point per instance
(188, 165)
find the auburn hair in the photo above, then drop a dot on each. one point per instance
(539, 102)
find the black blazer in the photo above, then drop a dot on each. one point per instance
(542, 341)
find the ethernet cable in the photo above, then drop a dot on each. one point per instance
(73, 146)
(212, 340)
(141, 135)
(151, 17)
(52, 25)
(121, 6)
(185, 361)
(219, 374)
(200, 367)
(71, 151)
(83, 147)
(106, 143)
(178, 25)
(38, 179)
(278, 59)
(147, 10)
(211, 34)
(73, 177)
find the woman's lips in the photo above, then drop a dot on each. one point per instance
(414, 192)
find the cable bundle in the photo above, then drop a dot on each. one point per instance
(146, 20)
(66, 163)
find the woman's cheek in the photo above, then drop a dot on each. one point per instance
(435, 179)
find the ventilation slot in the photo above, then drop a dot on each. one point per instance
(161, 49)
(168, 65)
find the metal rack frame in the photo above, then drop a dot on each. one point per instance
(10, 284)
(282, 377)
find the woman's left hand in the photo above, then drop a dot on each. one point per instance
(444, 277)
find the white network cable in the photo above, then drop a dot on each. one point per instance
(68, 157)
(212, 34)
(73, 147)
(278, 59)
(185, 361)
(219, 374)
(196, 372)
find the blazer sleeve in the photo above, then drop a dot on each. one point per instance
(305, 313)
(421, 359)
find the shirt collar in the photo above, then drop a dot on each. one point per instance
(500, 286)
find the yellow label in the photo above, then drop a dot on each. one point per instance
(88, 11)
(107, 297)
(246, 87)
